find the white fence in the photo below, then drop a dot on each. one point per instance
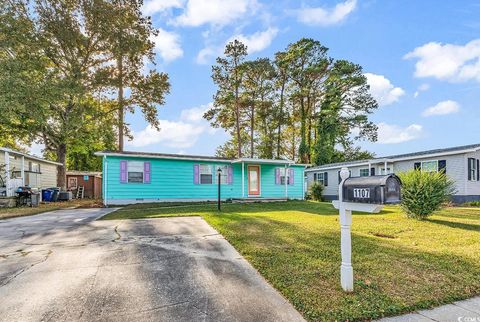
(12, 186)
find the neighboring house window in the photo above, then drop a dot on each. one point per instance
(430, 166)
(224, 174)
(473, 165)
(72, 183)
(364, 172)
(206, 176)
(34, 167)
(135, 171)
(322, 177)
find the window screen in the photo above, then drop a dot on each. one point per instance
(135, 171)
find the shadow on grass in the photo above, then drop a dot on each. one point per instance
(454, 224)
(303, 263)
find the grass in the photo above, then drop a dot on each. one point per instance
(400, 264)
(44, 207)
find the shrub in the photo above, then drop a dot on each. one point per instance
(316, 191)
(424, 192)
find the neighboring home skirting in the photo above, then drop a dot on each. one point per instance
(461, 164)
(134, 177)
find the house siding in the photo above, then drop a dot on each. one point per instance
(456, 169)
(48, 172)
(173, 179)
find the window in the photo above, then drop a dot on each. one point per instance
(206, 176)
(224, 174)
(322, 177)
(383, 172)
(135, 171)
(282, 176)
(472, 169)
(72, 183)
(430, 166)
(34, 167)
(364, 172)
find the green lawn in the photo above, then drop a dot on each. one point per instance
(399, 264)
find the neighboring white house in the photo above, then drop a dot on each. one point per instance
(460, 163)
(19, 169)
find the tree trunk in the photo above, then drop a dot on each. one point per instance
(62, 169)
(252, 130)
(281, 120)
(303, 133)
(121, 109)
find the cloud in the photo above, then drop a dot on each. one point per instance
(442, 108)
(214, 12)
(168, 45)
(195, 114)
(172, 134)
(390, 134)
(258, 41)
(421, 88)
(454, 63)
(383, 90)
(155, 6)
(255, 42)
(326, 17)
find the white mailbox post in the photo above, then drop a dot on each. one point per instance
(345, 210)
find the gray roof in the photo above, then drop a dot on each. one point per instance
(164, 155)
(412, 155)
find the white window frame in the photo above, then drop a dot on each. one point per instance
(473, 169)
(322, 179)
(282, 176)
(364, 169)
(224, 175)
(202, 170)
(429, 161)
(70, 179)
(133, 165)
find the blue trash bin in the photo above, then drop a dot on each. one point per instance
(47, 195)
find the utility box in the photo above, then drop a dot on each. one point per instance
(379, 190)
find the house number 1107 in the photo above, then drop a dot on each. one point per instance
(361, 193)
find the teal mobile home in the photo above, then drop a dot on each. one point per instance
(135, 177)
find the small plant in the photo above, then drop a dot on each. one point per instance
(424, 192)
(316, 191)
(472, 204)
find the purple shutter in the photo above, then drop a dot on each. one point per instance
(146, 172)
(291, 174)
(196, 173)
(230, 175)
(277, 175)
(123, 171)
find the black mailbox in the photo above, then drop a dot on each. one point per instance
(374, 190)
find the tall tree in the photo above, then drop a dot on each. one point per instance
(228, 76)
(281, 82)
(257, 95)
(128, 40)
(56, 61)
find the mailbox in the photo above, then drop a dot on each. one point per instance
(373, 190)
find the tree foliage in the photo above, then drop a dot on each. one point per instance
(57, 74)
(304, 105)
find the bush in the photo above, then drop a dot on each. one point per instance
(316, 191)
(472, 204)
(424, 192)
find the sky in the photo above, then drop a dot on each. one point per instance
(421, 59)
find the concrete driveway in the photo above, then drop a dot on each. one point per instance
(64, 265)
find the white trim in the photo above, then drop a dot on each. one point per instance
(243, 179)
(391, 160)
(28, 156)
(147, 156)
(130, 201)
(22, 171)
(7, 173)
(266, 161)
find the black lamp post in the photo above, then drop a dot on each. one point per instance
(219, 171)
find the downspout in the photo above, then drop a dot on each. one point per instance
(286, 181)
(303, 184)
(7, 173)
(22, 173)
